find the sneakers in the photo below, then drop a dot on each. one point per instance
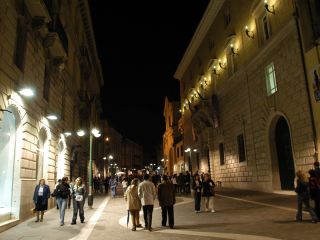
(61, 224)
(213, 211)
(139, 226)
(133, 229)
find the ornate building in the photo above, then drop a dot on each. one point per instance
(50, 79)
(245, 95)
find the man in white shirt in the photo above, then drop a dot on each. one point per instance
(147, 194)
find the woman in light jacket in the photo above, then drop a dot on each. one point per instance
(78, 191)
(133, 203)
(40, 198)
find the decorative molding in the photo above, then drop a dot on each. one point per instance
(198, 37)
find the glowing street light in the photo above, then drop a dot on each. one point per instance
(26, 92)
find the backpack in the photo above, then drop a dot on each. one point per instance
(62, 191)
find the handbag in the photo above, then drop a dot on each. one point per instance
(79, 198)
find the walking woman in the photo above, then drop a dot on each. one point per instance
(303, 196)
(133, 203)
(40, 198)
(62, 193)
(208, 193)
(78, 191)
(113, 186)
(197, 186)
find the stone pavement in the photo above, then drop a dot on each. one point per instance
(241, 215)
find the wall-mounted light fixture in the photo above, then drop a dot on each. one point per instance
(222, 65)
(26, 92)
(52, 116)
(233, 50)
(249, 33)
(269, 8)
(215, 70)
(67, 134)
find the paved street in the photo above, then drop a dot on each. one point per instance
(241, 215)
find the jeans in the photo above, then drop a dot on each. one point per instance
(78, 207)
(147, 215)
(197, 201)
(167, 210)
(209, 203)
(62, 203)
(304, 200)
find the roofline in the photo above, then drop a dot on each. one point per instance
(200, 33)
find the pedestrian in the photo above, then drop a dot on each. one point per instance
(167, 198)
(124, 184)
(314, 185)
(133, 203)
(187, 182)
(303, 197)
(197, 186)
(208, 192)
(113, 186)
(147, 194)
(62, 192)
(40, 198)
(59, 181)
(78, 191)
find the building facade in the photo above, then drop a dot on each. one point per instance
(245, 102)
(172, 139)
(47, 49)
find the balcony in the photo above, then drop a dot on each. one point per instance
(38, 10)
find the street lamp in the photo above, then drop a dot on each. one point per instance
(96, 133)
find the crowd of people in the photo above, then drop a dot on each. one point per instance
(140, 191)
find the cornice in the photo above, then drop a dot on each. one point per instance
(197, 39)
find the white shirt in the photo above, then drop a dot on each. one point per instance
(40, 192)
(147, 192)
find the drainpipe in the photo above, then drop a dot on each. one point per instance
(315, 137)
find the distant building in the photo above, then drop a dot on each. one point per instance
(125, 153)
(248, 95)
(172, 139)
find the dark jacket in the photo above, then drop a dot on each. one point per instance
(46, 194)
(62, 191)
(166, 194)
(195, 187)
(208, 188)
(302, 189)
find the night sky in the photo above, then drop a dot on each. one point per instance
(140, 44)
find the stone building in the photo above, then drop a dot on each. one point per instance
(172, 138)
(50, 80)
(244, 94)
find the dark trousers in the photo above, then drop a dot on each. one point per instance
(304, 200)
(167, 210)
(197, 201)
(317, 203)
(147, 215)
(78, 207)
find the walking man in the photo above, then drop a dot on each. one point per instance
(147, 194)
(167, 198)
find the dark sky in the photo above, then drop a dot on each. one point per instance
(140, 44)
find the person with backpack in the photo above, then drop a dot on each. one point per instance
(62, 193)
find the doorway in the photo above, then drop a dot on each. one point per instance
(284, 154)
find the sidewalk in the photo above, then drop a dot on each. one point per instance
(50, 227)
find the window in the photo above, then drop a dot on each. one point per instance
(241, 148)
(271, 79)
(21, 44)
(231, 64)
(181, 150)
(221, 152)
(178, 152)
(266, 27)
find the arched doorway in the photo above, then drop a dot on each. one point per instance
(284, 154)
(8, 137)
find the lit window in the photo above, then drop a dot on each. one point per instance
(271, 79)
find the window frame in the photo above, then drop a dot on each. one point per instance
(271, 89)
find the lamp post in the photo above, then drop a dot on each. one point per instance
(96, 133)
